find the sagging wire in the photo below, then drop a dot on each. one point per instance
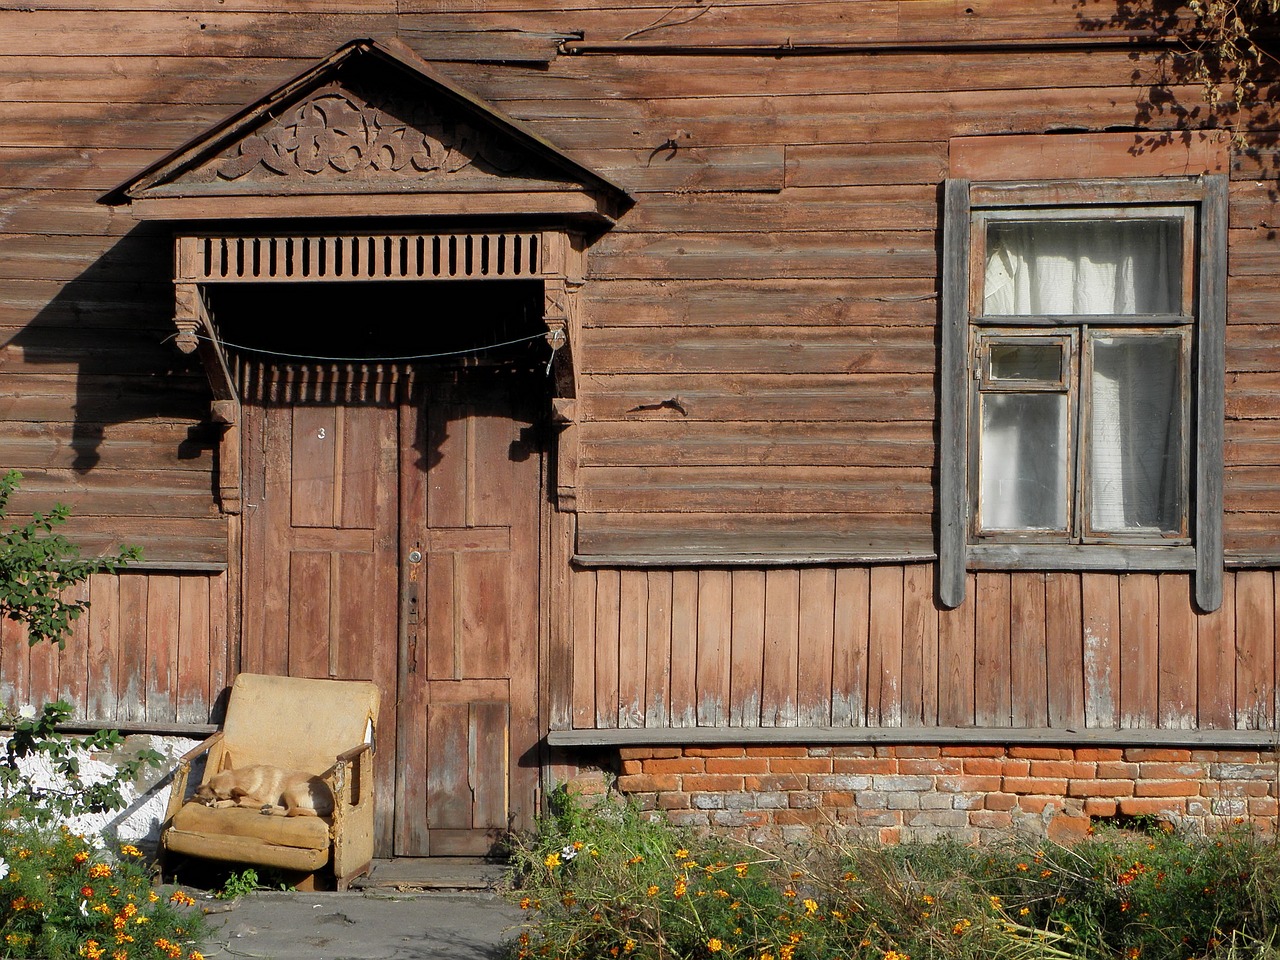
(557, 337)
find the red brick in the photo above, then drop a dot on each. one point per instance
(964, 784)
(1257, 788)
(737, 765)
(930, 767)
(631, 766)
(972, 752)
(1143, 754)
(800, 765)
(648, 783)
(1052, 768)
(675, 765)
(637, 753)
(1099, 807)
(673, 801)
(1016, 768)
(890, 836)
(777, 751)
(1100, 788)
(1035, 785)
(1066, 829)
(1116, 770)
(1263, 807)
(918, 753)
(1000, 801)
(1034, 804)
(715, 752)
(1099, 754)
(853, 750)
(1166, 788)
(984, 767)
(1136, 806)
(990, 819)
(865, 765)
(838, 798)
(1039, 753)
(807, 817)
(774, 783)
(1242, 756)
(711, 783)
(1171, 771)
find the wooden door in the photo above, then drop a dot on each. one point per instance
(320, 555)
(470, 495)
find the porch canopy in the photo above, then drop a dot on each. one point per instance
(370, 166)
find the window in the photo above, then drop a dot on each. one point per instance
(1082, 378)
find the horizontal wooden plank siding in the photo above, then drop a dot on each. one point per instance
(867, 647)
(150, 652)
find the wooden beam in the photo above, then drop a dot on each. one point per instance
(955, 736)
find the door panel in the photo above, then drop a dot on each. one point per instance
(319, 563)
(471, 509)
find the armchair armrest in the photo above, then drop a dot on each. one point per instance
(178, 787)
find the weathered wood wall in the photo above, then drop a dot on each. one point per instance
(151, 652)
(758, 362)
(868, 647)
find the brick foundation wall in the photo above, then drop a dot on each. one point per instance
(770, 794)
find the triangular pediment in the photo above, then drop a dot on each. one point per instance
(371, 119)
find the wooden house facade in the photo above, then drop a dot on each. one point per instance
(860, 413)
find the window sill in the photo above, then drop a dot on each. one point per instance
(1040, 556)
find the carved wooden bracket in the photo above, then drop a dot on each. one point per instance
(196, 332)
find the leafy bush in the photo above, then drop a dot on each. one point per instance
(612, 882)
(60, 898)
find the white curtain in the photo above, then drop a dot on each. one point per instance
(1093, 268)
(1059, 267)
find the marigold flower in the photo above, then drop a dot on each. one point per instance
(525, 903)
(714, 945)
(653, 890)
(99, 871)
(628, 946)
(682, 854)
(129, 850)
(810, 907)
(740, 869)
(552, 860)
(961, 926)
(994, 901)
(79, 858)
(680, 887)
(195, 955)
(789, 893)
(895, 955)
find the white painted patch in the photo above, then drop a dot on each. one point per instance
(146, 799)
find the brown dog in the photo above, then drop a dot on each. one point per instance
(270, 789)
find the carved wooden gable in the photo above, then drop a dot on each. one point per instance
(370, 119)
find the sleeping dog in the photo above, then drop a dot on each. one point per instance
(269, 789)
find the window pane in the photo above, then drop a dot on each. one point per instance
(1024, 362)
(1022, 482)
(1061, 267)
(1135, 435)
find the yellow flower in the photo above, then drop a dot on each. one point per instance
(653, 890)
(740, 869)
(714, 945)
(895, 955)
(789, 893)
(680, 887)
(552, 860)
(927, 899)
(961, 926)
(995, 902)
(578, 844)
(525, 903)
(682, 854)
(129, 850)
(1024, 911)
(810, 907)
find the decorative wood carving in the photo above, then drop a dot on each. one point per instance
(349, 132)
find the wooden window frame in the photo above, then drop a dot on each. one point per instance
(966, 207)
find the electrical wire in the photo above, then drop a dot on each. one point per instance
(417, 356)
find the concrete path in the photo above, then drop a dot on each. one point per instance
(369, 925)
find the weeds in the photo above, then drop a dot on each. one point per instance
(611, 881)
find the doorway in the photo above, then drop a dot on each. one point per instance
(394, 480)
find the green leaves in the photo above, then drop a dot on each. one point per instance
(38, 565)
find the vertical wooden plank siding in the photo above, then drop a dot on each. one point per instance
(1028, 666)
(746, 665)
(868, 646)
(1100, 602)
(170, 675)
(850, 637)
(1255, 648)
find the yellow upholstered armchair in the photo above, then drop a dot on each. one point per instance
(322, 727)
